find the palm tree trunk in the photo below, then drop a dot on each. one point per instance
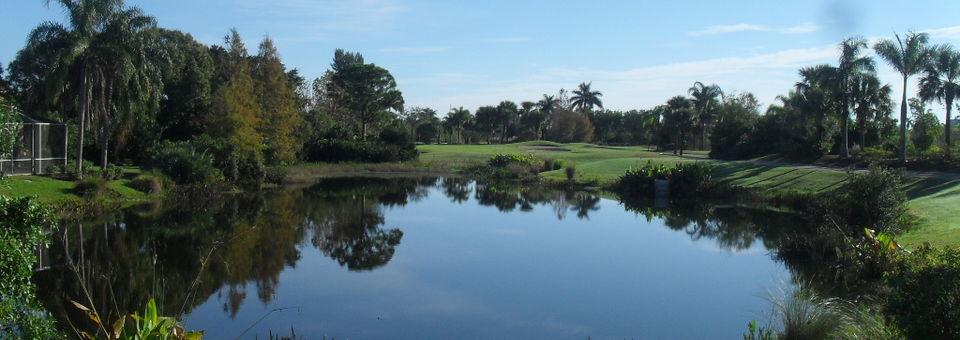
(844, 123)
(948, 138)
(104, 144)
(83, 119)
(903, 123)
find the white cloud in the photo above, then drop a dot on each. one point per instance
(721, 29)
(952, 32)
(315, 19)
(415, 50)
(806, 27)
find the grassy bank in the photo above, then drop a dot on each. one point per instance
(60, 193)
(934, 198)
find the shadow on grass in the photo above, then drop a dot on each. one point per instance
(930, 186)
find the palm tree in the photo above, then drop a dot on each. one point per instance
(814, 92)
(679, 117)
(870, 100)
(547, 105)
(99, 64)
(584, 99)
(458, 118)
(852, 64)
(941, 82)
(705, 100)
(908, 57)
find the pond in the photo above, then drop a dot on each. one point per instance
(419, 258)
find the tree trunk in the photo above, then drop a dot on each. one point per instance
(844, 123)
(105, 144)
(83, 119)
(903, 123)
(948, 138)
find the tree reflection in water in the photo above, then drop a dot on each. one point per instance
(183, 254)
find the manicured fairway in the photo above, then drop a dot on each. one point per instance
(934, 198)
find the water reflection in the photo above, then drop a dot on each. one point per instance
(230, 248)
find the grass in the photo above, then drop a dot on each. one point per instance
(59, 192)
(935, 200)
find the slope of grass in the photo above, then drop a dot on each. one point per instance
(56, 192)
(935, 201)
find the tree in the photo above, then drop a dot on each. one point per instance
(568, 126)
(366, 92)
(908, 57)
(853, 64)
(99, 63)
(507, 115)
(278, 105)
(941, 82)
(236, 112)
(584, 99)
(926, 127)
(188, 86)
(6, 88)
(870, 100)
(458, 118)
(487, 120)
(705, 101)
(9, 130)
(814, 98)
(679, 119)
(737, 117)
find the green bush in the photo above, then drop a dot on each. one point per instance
(925, 293)
(92, 187)
(512, 167)
(276, 175)
(874, 199)
(22, 229)
(112, 172)
(502, 160)
(245, 170)
(150, 182)
(184, 163)
(688, 180)
(639, 181)
(571, 172)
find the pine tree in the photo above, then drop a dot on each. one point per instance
(235, 106)
(279, 112)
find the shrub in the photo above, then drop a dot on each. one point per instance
(246, 170)
(925, 293)
(276, 175)
(640, 181)
(512, 167)
(571, 173)
(687, 180)
(330, 150)
(183, 163)
(22, 229)
(874, 199)
(150, 182)
(92, 187)
(502, 160)
(112, 172)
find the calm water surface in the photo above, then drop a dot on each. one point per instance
(430, 258)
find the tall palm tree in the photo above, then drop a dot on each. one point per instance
(908, 56)
(815, 94)
(852, 64)
(679, 118)
(584, 99)
(941, 82)
(870, 100)
(548, 104)
(705, 101)
(458, 117)
(97, 64)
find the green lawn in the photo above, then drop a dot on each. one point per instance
(935, 201)
(55, 192)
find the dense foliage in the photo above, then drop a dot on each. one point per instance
(925, 293)
(23, 226)
(687, 181)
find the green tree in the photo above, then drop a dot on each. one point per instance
(925, 129)
(814, 98)
(188, 86)
(366, 92)
(279, 115)
(908, 56)
(9, 130)
(507, 116)
(6, 88)
(941, 82)
(235, 111)
(585, 99)
(871, 101)
(486, 121)
(852, 64)
(99, 63)
(459, 118)
(706, 99)
(679, 120)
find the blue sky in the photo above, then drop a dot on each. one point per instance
(472, 53)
